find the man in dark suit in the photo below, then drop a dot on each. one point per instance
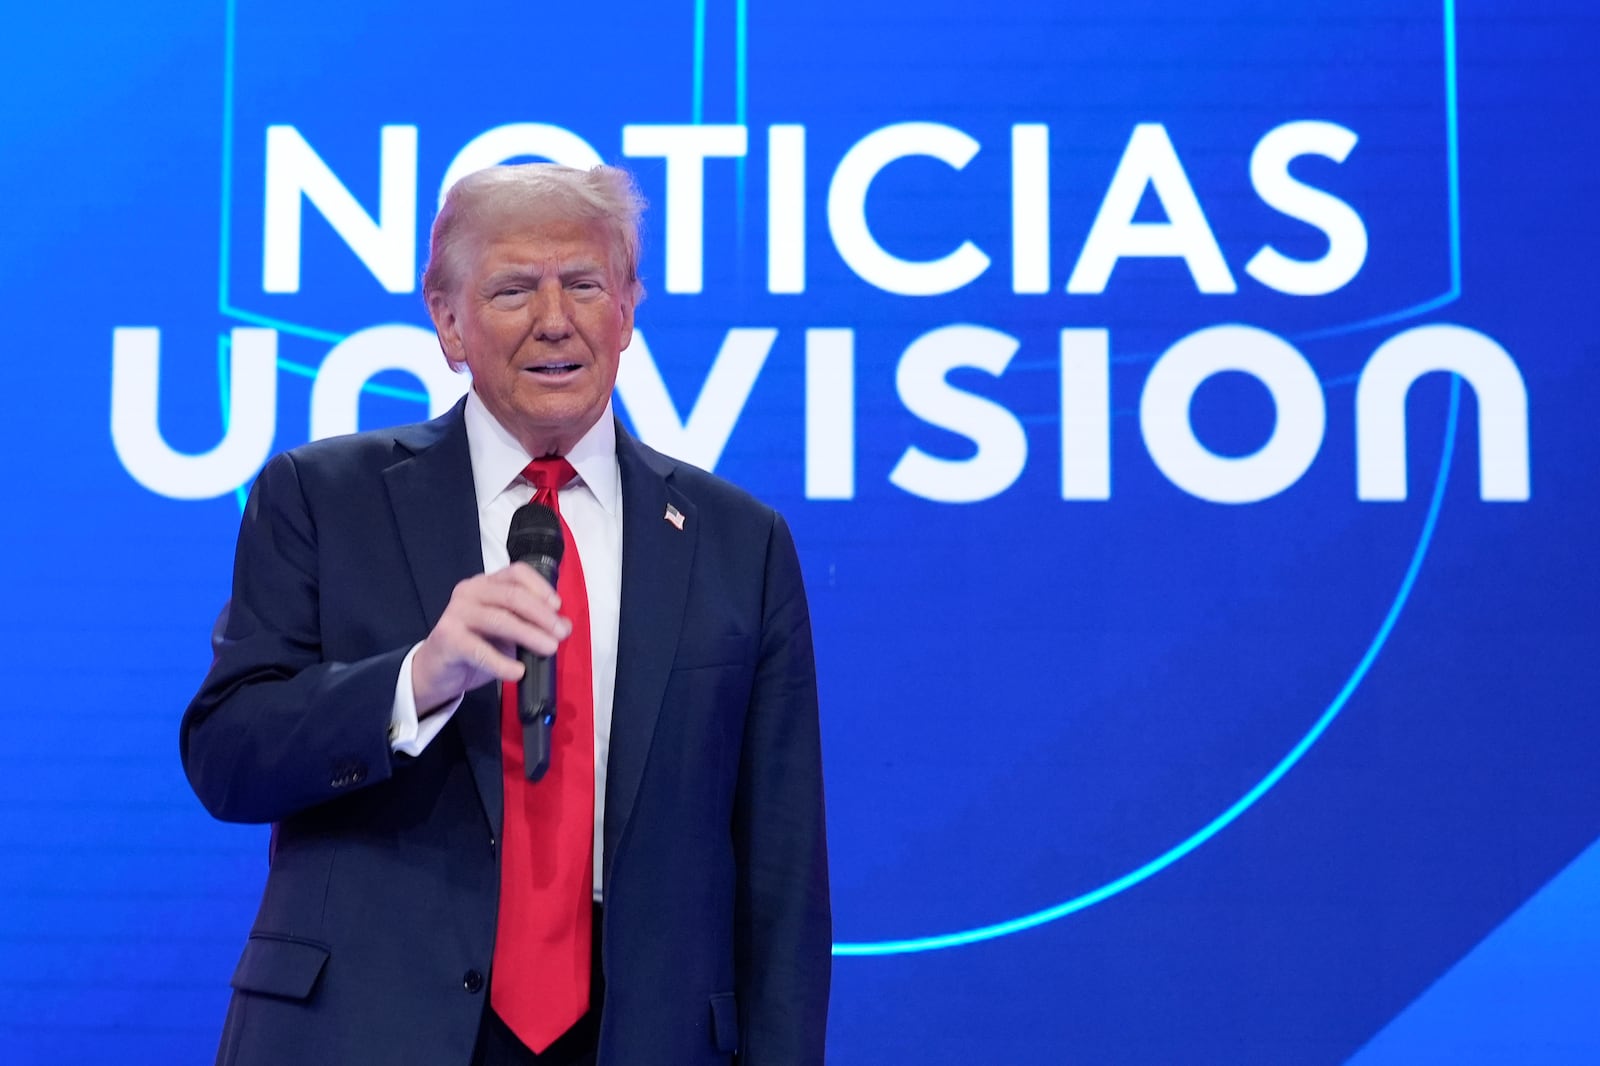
(416, 909)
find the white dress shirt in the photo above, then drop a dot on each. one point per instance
(591, 505)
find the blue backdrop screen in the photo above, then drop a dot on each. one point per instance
(1183, 414)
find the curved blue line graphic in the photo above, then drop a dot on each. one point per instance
(1420, 552)
(1453, 220)
(1295, 754)
(1452, 193)
(1245, 802)
(225, 227)
(697, 98)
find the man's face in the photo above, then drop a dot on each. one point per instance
(540, 316)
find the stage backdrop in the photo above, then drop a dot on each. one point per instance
(1185, 412)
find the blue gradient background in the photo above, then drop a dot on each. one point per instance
(1005, 730)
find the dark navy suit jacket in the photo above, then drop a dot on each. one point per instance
(375, 931)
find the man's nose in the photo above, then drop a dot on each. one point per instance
(552, 311)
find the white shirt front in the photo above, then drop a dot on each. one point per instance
(591, 505)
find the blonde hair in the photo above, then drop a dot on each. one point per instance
(497, 198)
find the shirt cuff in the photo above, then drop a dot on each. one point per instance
(408, 735)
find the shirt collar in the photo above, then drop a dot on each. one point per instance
(498, 460)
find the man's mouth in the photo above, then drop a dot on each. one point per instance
(555, 369)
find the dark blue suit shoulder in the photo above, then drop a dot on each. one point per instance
(707, 489)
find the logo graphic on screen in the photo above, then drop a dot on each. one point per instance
(927, 294)
(301, 189)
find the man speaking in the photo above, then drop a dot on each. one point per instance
(633, 875)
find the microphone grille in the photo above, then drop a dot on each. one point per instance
(535, 530)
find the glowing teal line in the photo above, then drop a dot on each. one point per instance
(225, 381)
(225, 227)
(697, 100)
(395, 393)
(1453, 198)
(1228, 816)
(1452, 134)
(741, 30)
(1245, 802)
(1453, 195)
(225, 252)
(281, 326)
(225, 255)
(1415, 311)
(1419, 553)
(224, 304)
(303, 371)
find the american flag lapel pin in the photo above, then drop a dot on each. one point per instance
(674, 516)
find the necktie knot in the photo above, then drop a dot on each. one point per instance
(549, 475)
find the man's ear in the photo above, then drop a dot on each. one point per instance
(448, 328)
(627, 322)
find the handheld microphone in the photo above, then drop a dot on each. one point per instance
(535, 539)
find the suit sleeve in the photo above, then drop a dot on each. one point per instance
(275, 729)
(784, 922)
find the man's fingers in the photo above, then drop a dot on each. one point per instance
(517, 590)
(528, 607)
(524, 576)
(463, 632)
(488, 617)
(488, 659)
(508, 628)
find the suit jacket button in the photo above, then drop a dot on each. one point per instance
(472, 981)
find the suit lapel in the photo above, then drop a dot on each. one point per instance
(436, 511)
(656, 562)
(435, 508)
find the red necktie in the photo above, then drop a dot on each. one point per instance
(540, 980)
